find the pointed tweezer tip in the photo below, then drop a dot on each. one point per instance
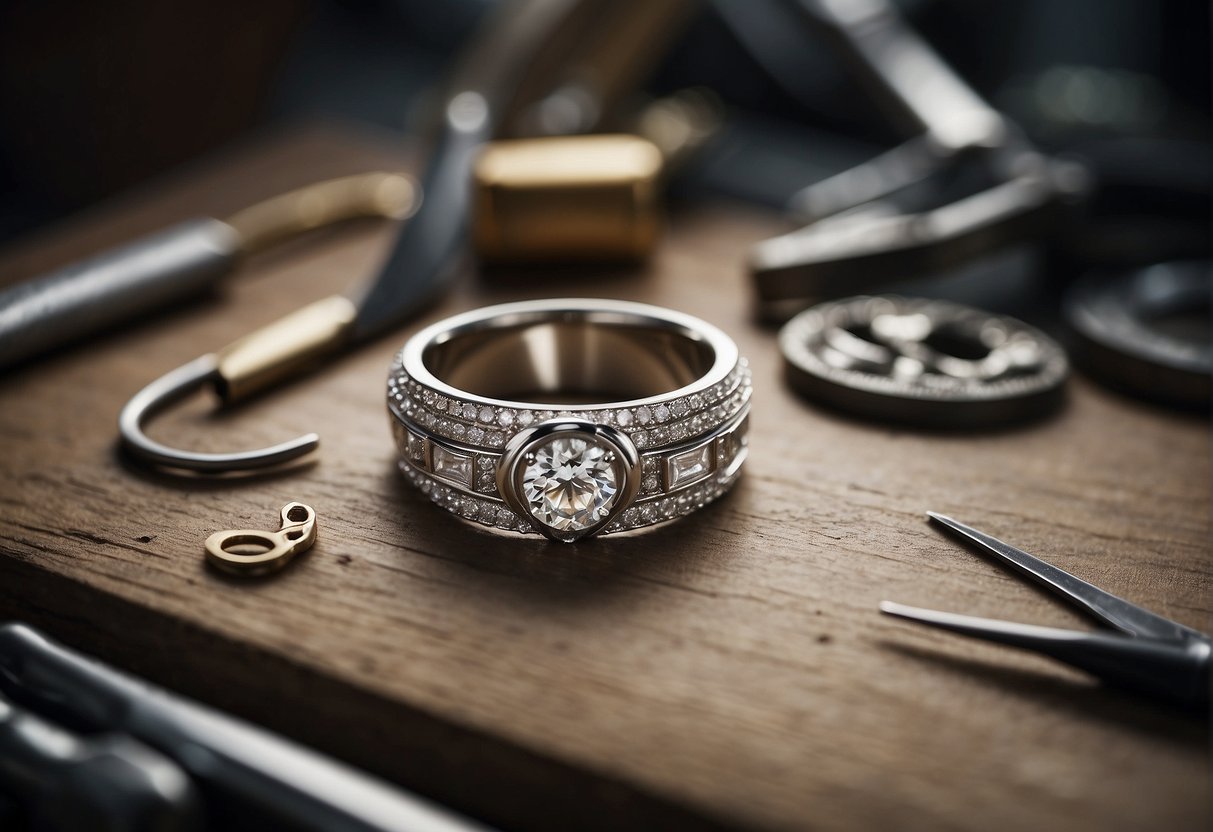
(945, 520)
(899, 610)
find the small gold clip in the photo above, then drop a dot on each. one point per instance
(297, 534)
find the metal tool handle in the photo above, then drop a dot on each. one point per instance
(1176, 672)
(68, 781)
(908, 74)
(291, 786)
(87, 297)
(279, 218)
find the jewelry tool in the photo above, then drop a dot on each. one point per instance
(968, 183)
(65, 780)
(1147, 332)
(1151, 655)
(271, 782)
(297, 534)
(507, 80)
(179, 263)
(929, 363)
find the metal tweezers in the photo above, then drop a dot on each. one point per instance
(1155, 656)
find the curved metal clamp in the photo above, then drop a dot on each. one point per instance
(245, 366)
(297, 534)
(291, 344)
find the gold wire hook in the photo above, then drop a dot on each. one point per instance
(297, 534)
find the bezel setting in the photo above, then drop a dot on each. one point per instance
(519, 453)
(470, 397)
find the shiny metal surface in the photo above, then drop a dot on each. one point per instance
(278, 350)
(180, 263)
(376, 194)
(967, 184)
(103, 291)
(64, 780)
(564, 351)
(1156, 657)
(245, 366)
(431, 248)
(174, 386)
(281, 785)
(540, 66)
(879, 246)
(520, 49)
(567, 198)
(296, 534)
(664, 394)
(923, 362)
(1148, 332)
(586, 197)
(513, 462)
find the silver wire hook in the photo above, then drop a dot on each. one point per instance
(174, 386)
(294, 343)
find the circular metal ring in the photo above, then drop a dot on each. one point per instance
(570, 418)
(923, 362)
(1147, 332)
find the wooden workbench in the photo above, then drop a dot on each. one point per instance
(729, 669)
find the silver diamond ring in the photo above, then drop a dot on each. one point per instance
(571, 417)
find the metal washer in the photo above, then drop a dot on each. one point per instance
(894, 359)
(1122, 334)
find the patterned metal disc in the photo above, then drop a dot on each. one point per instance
(923, 362)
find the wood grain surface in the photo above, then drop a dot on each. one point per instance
(726, 670)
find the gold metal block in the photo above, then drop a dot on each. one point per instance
(567, 198)
(273, 352)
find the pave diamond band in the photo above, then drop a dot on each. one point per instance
(570, 417)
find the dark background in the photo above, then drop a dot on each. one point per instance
(98, 97)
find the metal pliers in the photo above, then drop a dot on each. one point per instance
(968, 184)
(1155, 656)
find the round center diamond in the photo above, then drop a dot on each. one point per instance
(569, 482)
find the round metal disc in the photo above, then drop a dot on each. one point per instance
(923, 362)
(1147, 332)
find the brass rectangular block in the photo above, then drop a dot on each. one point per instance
(567, 198)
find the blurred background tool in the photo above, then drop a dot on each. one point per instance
(248, 778)
(586, 197)
(180, 263)
(60, 781)
(1148, 332)
(567, 198)
(506, 78)
(1151, 655)
(923, 362)
(968, 185)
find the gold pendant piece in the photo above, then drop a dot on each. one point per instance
(297, 534)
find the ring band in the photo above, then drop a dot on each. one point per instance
(570, 418)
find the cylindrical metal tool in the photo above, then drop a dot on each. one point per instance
(63, 781)
(87, 297)
(179, 263)
(275, 783)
